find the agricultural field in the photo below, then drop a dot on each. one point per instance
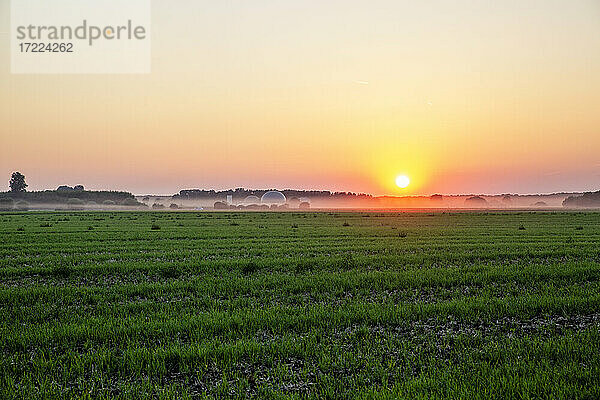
(300, 305)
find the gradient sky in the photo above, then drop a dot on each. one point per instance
(462, 96)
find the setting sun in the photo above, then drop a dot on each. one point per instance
(402, 181)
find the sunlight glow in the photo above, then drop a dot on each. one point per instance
(402, 181)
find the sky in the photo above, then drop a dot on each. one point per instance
(462, 96)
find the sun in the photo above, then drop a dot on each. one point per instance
(402, 181)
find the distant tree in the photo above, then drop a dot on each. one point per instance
(78, 188)
(476, 201)
(219, 205)
(587, 200)
(305, 205)
(17, 182)
(173, 206)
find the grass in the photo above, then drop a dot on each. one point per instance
(342, 305)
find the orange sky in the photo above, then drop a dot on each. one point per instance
(461, 96)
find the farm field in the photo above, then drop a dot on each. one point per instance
(300, 305)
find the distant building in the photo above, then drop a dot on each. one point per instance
(273, 197)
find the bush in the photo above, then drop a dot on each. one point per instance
(109, 203)
(173, 206)
(157, 206)
(73, 201)
(130, 203)
(22, 205)
(219, 205)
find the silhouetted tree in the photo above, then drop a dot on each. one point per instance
(17, 182)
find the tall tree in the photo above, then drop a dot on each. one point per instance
(17, 182)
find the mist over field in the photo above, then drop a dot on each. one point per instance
(77, 198)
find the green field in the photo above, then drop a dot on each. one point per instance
(296, 305)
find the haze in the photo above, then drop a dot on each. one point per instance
(460, 96)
